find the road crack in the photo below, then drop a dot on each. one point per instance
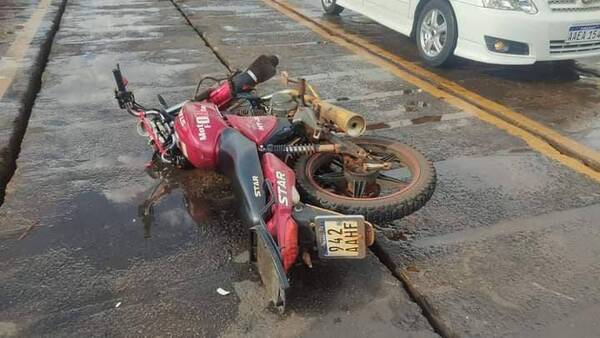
(204, 38)
(427, 309)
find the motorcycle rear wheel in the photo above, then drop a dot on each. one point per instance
(321, 181)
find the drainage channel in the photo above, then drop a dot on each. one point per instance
(10, 153)
(427, 310)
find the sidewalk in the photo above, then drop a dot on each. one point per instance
(26, 33)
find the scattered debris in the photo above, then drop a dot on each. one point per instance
(26, 232)
(412, 268)
(223, 292)
(377, 125)
(243, 257)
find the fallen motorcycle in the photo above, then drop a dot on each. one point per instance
(307, 182)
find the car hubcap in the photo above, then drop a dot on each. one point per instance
(433, 34)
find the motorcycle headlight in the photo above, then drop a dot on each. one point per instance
(526, 6)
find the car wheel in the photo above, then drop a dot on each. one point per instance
(330, 7)
(436, 33)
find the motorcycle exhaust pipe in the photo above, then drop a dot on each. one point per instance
(351, 123)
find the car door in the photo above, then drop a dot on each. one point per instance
(391, 13)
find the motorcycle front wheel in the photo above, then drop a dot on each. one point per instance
(392, 194)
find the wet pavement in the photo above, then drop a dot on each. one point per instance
(13, 15)
(77, 259)
(487, 178)
(564, 95)
(506, 246)
(26, 31)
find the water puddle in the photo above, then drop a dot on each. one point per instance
(110, 229)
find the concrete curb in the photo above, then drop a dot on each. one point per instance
(10, 151)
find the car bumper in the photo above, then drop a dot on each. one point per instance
(542, 32)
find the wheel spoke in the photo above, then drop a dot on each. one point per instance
(390, 179)
(429, 45)
(331, 177)
(437, 43)
(425, 30)
(359, 189)
(442, 27)
(389, 157)
(433, 18)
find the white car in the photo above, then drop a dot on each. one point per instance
(510, 32)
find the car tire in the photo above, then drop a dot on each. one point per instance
(331, 7)
(436, 38)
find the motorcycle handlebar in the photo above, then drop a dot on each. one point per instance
(261, 70)
(119, 79)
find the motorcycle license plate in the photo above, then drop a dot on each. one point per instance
(341, 236)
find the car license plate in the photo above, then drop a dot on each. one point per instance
(586, 33)
(341, 236)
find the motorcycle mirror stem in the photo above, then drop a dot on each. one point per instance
(162, 101)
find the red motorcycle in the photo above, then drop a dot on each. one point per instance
(307, 183)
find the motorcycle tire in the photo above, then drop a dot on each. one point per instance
(377, 209)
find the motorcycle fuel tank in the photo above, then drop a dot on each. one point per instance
(198, 127)
(256, 128)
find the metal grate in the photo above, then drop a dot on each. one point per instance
(574, 5)
(560, 47)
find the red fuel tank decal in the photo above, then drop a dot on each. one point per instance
(198, 127)
(256, 128)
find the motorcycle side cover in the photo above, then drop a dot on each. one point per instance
(282, 225)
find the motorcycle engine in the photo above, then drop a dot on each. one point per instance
(282, 104)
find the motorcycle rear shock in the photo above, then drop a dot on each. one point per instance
(298, 149)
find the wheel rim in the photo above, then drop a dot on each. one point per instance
(328, 3)
(325, 172)
(434, 32)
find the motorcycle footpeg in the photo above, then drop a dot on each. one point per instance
(270, 266)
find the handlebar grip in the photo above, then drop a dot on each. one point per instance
(261, 70)
(119, 79)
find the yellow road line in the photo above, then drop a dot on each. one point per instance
(11, 60)
(539, 137)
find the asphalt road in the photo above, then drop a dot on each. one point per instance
(506, 247)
